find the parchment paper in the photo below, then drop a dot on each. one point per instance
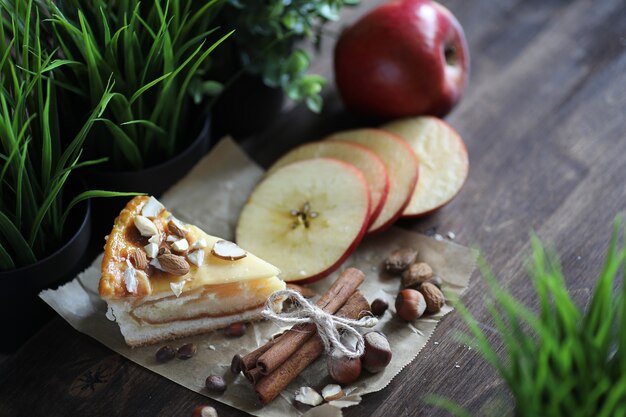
(211, 196)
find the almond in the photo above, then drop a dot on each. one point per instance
(138, 258)
(174, 264)
(145, 226)
(433, 296)
(176, 228)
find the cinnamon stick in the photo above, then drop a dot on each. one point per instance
(293, 339)
(248, 361)
(271, 385)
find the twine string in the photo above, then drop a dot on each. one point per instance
(329, 327)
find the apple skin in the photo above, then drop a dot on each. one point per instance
(434, 209)
(392, 62)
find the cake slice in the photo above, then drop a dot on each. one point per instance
(163, 279)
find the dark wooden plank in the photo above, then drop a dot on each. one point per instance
(544, 123)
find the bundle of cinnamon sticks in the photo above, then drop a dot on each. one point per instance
(271, 367)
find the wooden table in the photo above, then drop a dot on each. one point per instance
(544, 121)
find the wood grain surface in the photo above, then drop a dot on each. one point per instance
(544, 122)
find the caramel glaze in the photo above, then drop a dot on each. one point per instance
(194, 317)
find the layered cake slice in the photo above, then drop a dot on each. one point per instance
(163, 279)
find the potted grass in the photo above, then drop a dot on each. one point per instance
(268, 55)
(44, 212)
(562, 360)
(152, 132)
(154, 52)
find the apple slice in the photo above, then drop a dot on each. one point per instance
(306, 217)
(365, 160)
(401, 165)
(444, 163)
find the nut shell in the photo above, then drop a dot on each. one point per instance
(416, 274)
(377, 353)
(379, 307)
(410, 304)
(343, 369)
(433, 297)
(400, 260)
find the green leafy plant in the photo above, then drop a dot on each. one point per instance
(154, 52)
(34, 168)
(265, 32)
(561, 361)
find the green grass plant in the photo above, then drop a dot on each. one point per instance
(156, 52)
(561, 360)
(34, 164)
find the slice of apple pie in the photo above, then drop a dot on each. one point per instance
(163, 279)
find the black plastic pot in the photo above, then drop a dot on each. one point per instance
(153, 181)
(246, 108)
(22, 312)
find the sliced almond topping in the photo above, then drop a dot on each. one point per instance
(130, 281)
(145, 226)
(172, 238)
(199, 244)
(152, 250)
(176, 227)
(173, 264)
(180, 245)
(177, 287)
(152, 208)
(164, 249)
(332, 392)
(196, 257)
(138, 258)
(156, 239)
(228, 250)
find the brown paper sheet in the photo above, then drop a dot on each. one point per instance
(212, 196)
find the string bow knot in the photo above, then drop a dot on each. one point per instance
(329, 327)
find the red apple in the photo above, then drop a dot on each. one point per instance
(404, 58)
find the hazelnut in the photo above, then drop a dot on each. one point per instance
(433, 297)
(416, 274)
(165, 354)
(400, 260)
(379, 307)
(215, 383)
(342, 369)
(377, 353)
(410, 304)
(235, 330)
(186, 351)
(204, 411)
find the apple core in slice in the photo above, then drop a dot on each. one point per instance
(365, 160)
(306, 217)
(444, 163)
(401, 165)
